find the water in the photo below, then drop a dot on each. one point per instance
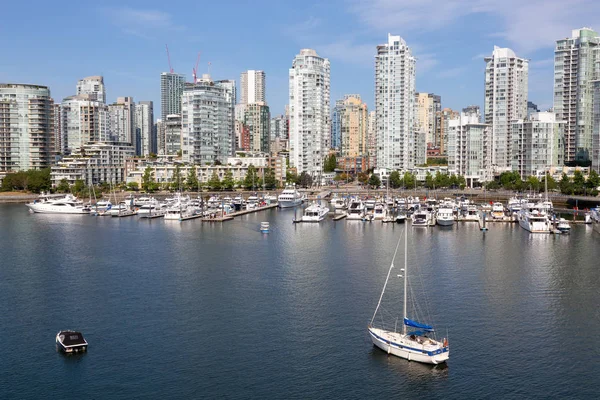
(192, 310)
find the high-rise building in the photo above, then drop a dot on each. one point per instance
(26, 127)
(83, 120)
(537, 144)
(309, 82)
(395, 104)
(279, 127)
(372, 138)
(171, 90)
(351, 121)
(428, 104)
(258, 121)
(172, 127)
(468, 148)
(506, 83)
(145, 142)
(207, 121)
(93, 86)
(161, 144)
(596, 127)
(56, 126)
(576, 65)
(252, 87)
(121, 120)
(442, 124)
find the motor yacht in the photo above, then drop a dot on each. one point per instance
(70, 342)
(356, 209)
(65, 205)
(380, 211)
(445, 216)
(497, 210)
(315, 213)
(290, 197)
(534, 220)
(422, 218)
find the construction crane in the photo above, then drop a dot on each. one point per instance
(169, 58)
(195, 69)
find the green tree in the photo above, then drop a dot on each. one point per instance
(395, 180)
(533, 183)
(38, 180)
(565, 185)
(270, 179)
(493, 185)
(429, 182)
(409, 180)
(363, 177)
(330, 163)
(251, 179)
(228, 183)
(593, 180)
(79, 187)
(461, 181)
(133, 186)
(214, 183)
(305, 180)
(552, 184)
(374, 181)
(177, 180)
(63, 186)
(192, 180)
(441, 180)
(148, 183)
(292, 178)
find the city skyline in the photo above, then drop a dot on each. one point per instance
(449, 43)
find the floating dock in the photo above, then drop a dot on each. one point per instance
(340, 216)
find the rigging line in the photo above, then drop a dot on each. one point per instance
(387, 279)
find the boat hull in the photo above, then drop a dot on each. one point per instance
(47, 209)
(289, 203)
(445, 222)
(408, 353)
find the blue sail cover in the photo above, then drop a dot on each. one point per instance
(415, 324)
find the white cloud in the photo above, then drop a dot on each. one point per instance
(527, 25)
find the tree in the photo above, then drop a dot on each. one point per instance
(374, 181)
(461, 181)
(593, 180)
(177, 179)
(79, 187)
(565, 185)
(395, 180)
(363, 177)
(148, 183)
(251, 179)
(214, 183)
(63, 186)
(330, 163)
(270, 181)
(192, 180)
(133, 186)
(533, 183)
(305, 180)
(291, 177)
(228, 182)
(552, 184)
(429, 182)
(179, 153)
(34, 180)
(409, 180)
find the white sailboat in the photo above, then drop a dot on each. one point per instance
(416, 345)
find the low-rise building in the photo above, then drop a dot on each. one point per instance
(94, 163)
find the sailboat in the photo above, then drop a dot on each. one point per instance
(418, 344)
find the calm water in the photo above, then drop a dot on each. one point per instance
(192, 310)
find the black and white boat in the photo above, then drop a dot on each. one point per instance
(70, 342)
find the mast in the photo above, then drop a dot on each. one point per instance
(405, 277)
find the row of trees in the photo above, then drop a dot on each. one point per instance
(33, 180)
(578, 185)
(190, 181)
(409, 181)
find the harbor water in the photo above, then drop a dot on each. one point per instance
(219, 310)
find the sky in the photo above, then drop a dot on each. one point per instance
(57, 43)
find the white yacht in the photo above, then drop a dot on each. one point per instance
(340, 203)
(356, 209)
(595, 218)
(445, 216)
(534, 221)
(422, 218)
(370, 204)
(65, 205)
(497, 210)
(563, 226)
(471, 213)
(380, 211)
(315, 213)
(290, 197)
(252, 203)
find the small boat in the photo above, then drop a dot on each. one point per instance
(418, 345)
(265, 227)
(563, 226)
(422, 218)
(356, 209)
(70, 342)
(497, 210)
(445, 216)
(315, 213)
(401, 218)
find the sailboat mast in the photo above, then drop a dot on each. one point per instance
(405, 277)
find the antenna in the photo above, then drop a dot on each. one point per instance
(195, 69)
(169, 58)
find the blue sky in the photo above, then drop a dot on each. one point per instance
(57, 43)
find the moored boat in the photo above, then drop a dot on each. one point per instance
(71, 342)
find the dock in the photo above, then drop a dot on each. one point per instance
(340, 216)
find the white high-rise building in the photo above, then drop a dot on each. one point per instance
(26, 133)
(576, 66)
(145, 142)
(252, 87)
(93, 86)
(506, 86)
(83, 120)
(596, 127)
(121, 120)
(468, 148)
(207, 121)
(171, 90)
(395, 104)
(309, 111)
(537, 144)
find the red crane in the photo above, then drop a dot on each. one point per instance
(169, 58)
(195, 69)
